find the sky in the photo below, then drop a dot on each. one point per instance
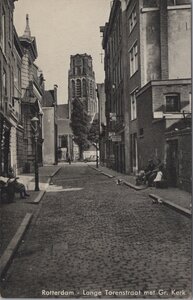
(63, 28)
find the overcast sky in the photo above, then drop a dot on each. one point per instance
(63, 28)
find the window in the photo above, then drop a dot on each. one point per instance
(141, 132)
(132, 20)
(150, 3)
(133, 57)
(133, 106)
(190, 102)
(4, 81)
(78, 88)
(3, 31)
(178, 2)
(172, 103)
(63, 141)
(91, 88)
(78, 70)
(73, 88)
(84, 87)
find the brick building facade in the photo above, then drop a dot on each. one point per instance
(50, 126)
(103, 140)
(11, 53)
(155, 41)
(32, 93)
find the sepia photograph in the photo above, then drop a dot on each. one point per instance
(96, 149)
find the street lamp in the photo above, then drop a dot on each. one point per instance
(34, 124)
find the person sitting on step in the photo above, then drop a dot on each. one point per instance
(19, 187)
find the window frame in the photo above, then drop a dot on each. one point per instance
(170, 110)
(132, 19)
(133, 100)
(3, 30)
(133, 59)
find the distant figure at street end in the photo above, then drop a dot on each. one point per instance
(18, 186)
(68, 158)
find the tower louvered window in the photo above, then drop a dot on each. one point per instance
(84, 87)
(78, 88)
(73, 88)
(91, 88)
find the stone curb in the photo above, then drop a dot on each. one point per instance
(49, 181)
(135, 187)
(13, 245)
(94, 168)
(41, 193)
(184, 211)
(39, 197)
(158, 199)
(108, 175)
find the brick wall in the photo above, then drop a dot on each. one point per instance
(21, 155)
(164, 39)
(159, 92)
(185, 157)
(179, 43)
(151, 143)
(49, 136)
(182, 166)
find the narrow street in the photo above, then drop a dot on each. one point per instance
(90, 235)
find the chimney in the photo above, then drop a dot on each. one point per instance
(55, 93)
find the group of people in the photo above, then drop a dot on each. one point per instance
(11, 182)
(152, 175)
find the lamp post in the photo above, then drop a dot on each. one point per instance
(34, 122)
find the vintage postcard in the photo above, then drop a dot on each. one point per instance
(95, 149)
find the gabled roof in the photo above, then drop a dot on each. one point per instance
(29, 41)
(62, 111)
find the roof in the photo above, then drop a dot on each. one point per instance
(181, 124)
(48, 98)
(62, 111)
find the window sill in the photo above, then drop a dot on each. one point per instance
(174, 7)
(172, 112)
(148, 9)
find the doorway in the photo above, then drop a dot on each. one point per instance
(172, 163)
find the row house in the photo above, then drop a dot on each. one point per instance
(32, 83)
(102, 122)
(65, 135)
(50, 126)
(21, 90)
(11, 129)
(155, 72)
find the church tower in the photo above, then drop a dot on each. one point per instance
(81, 83)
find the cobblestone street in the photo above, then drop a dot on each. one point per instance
(90, 235)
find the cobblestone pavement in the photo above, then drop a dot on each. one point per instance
(90, 235)
(175, 195)
(11, 216)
